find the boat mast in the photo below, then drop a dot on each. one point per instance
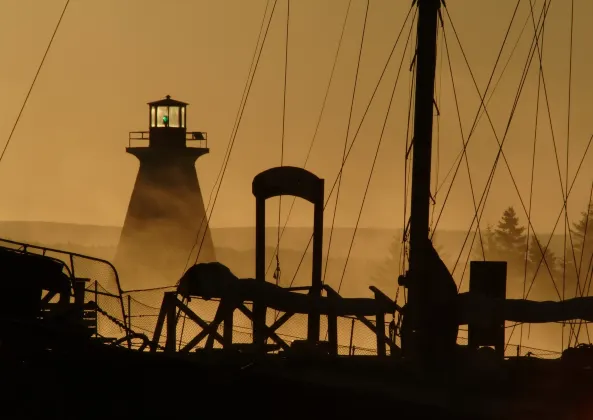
(416, 281)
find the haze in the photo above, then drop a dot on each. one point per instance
(66, 161)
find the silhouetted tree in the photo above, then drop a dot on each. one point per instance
(511, 240)
(490, 251)
(538, 255)
(578, 261)
(387, 272)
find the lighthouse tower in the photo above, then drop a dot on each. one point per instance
(166, 216)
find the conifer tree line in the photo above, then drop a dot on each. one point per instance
(527, 267)
(508, 241)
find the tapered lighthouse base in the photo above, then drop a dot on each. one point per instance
(166, 220)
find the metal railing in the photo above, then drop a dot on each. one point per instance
(197, 139)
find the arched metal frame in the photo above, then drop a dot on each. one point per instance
(297, 182)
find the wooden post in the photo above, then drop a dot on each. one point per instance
(351, 337)
(259, 310)
(171, 323)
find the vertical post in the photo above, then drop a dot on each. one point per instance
(97, 304)
(171, 322)
(130, 312)
(129, 320)
(422, 160)
(351, 337)
(259, 310)
(314, 321)
(380, 331)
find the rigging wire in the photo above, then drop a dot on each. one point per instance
(581, 260)
(490, 181)
(464, 146)
(381, 137)
(562, 189)
(235, 126)
(407, 159)
(51, 40)
(356, 135)
(278, 272)
(482, 104)
(490, 96)
(560, 213)
(500, 144)
(566, 221)
(438, 89)
(316, 126)
(234, 136)
(532, 177)
(366, 13)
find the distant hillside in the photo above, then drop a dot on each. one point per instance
(370, 243)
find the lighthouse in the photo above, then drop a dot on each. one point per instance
(166, 216)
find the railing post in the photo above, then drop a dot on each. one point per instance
(351, 337)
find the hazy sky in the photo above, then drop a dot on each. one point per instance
(67, 162)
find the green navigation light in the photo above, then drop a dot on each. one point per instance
(165, 120)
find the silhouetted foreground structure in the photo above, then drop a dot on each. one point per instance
(166, 217)
(56, 323)
(55, 329)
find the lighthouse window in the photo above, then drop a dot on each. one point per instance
(183, 116)
(174, 116)
(162, 116)
(152, 116)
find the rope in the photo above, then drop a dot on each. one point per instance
(34, 80)
(501, 144)
(482, 104)
(354, 139)
(381, 137)
(278, 272)
(566, 221)
(331, 76)
(464, 148)
(531, 181)
(364, 26)
(246, 90)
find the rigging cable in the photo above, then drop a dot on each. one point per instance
(235, 125)
(589, 275)
(381, 137)
(562, 189)
(366, 13)
(438, 91)
(490, 96)
(490, 181)
(500, 144)
(561, 210)
(278, 272)
(331, 76)
(566, 221)
(532, 178)
(482, 104)
(234, 136)
(356, 134)
(51, 40)
(407, 158)
(464, 147)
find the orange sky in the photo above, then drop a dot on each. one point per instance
(66, 161)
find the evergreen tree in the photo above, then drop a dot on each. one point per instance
(386, 274)
(537, 258)
(582, 241)
(490, 251)
(511, 241)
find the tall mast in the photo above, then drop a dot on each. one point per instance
(422, 160)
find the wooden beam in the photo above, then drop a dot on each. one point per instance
(266, 331)
(203, 324)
